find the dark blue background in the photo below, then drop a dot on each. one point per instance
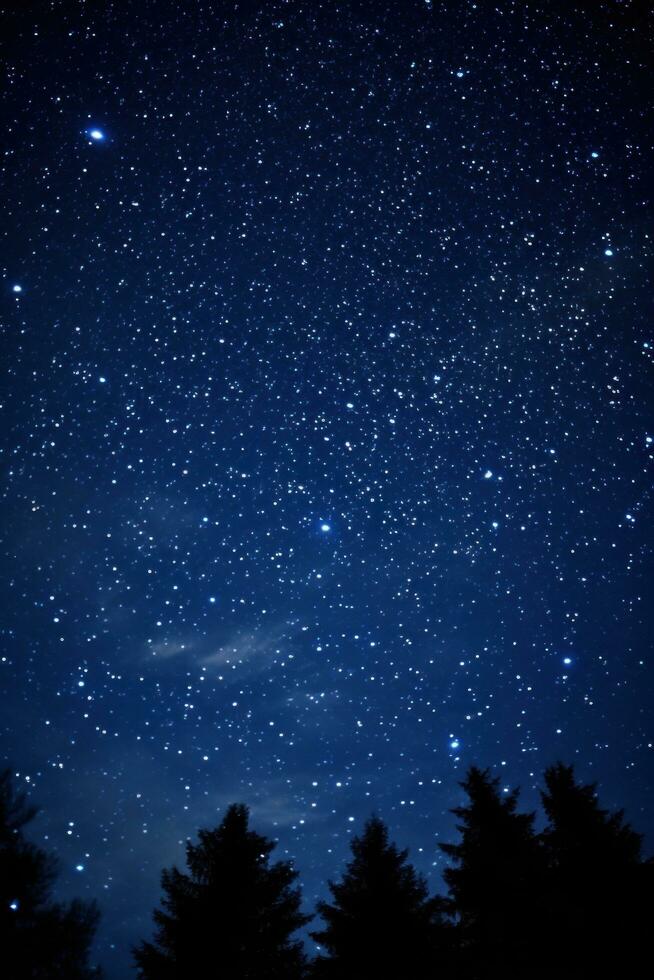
(379, 266)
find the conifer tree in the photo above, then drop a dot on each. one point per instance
(232, 916)
(495, 882)
(600, 888)
(38, 937)
(580, 834)
(381, 922)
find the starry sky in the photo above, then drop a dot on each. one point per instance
(326, 420)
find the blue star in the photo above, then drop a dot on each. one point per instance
(96, 135)
(325, 527)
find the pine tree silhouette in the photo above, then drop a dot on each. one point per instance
(495, 885)
(232, 916)
(381, 922)
(38, 938)
(600, 887)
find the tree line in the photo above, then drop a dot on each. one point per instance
(574, 900)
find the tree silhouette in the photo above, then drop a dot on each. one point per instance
(495, 885)
(599, 885)
(232, 916)
(38, 938)
(381, 922)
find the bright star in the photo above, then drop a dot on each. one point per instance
(17, 288)
(96, 134)
(488, 474)
(608, 251)
(567, 661)
(454, 744)
(325, 527)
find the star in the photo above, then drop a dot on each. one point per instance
(96, 135)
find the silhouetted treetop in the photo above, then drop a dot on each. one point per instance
(232, 915)
(494, 882)
(39, 939)
(381, 921)
(579, 830)
(599, 888)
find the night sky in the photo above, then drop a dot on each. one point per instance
(326, 421)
